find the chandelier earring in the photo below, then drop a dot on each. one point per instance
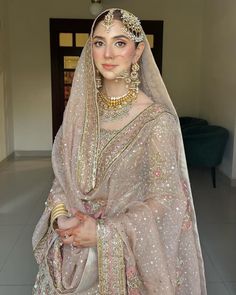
(98, 79)
(134, 78)
(124, 76)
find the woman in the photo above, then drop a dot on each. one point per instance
(119, 218)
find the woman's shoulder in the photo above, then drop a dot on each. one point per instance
(154, 108)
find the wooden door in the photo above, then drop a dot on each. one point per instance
(67, 39)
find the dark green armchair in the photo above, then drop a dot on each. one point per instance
(204, 146)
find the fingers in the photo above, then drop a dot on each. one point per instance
(73, 211)
(81, 216)
(68, 240)
(64, 232)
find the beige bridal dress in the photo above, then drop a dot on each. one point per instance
(135, 181)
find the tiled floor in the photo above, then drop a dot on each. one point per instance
(24, 185)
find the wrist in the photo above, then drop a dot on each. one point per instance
(57, 212)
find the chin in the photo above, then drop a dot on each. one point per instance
(109, 76)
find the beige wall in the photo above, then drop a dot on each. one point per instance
(6, 119)
(30, 53)
(218, 100)
(2, 112)
(198, 66)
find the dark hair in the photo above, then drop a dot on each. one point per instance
(117, 15)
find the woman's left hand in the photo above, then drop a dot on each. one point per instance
(83, 235)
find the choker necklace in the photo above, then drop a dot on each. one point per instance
(115, 107)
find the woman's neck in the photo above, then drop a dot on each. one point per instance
(114, 87)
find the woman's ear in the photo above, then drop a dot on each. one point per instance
(138, 52)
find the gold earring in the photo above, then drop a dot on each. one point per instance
(134, 77)
(98, 79)
(124, 76)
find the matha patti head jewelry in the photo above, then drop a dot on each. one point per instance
(132, 25)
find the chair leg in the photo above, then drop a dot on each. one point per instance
(213, 175)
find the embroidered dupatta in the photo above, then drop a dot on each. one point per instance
(147, 237)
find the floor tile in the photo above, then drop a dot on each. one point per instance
(220, 243)
(231, 286)
(21, 188)
(217, 289)
(9, 236)
(212, 275)
(16, 290)
(20, 268)
(24, 186)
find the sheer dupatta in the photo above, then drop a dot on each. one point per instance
(147, 237)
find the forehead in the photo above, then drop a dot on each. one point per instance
(116, 28)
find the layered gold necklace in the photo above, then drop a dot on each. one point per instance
(115, 107)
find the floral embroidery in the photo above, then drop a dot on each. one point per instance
(133, 282)
(111, 267)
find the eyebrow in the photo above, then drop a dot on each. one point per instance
(115, 37)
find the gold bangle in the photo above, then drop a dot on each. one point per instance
(60, 205)
(53, 219)
(58, 210)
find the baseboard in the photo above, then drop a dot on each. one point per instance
(227, 179)
(9, 157)
(32, 154)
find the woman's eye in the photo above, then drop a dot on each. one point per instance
(98, 43)
(120, 44)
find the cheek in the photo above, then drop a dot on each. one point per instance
(96, 55)
(128, 54)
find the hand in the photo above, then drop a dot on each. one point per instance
(83, 234)
(64, 222)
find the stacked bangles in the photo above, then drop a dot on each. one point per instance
(58, 210)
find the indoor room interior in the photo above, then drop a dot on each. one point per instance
(198, 67)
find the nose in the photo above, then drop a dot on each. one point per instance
(108, 53)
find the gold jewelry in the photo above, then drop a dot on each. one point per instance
(98, 79)
(134, 77)
(58, 210)
(112, 108)
(132, 80)
(116, 102)
(132, 26)
(124, 76)
(108, 20)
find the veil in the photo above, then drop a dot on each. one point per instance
(76, 146)
(82, 113)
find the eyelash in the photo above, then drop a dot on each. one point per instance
(98, 43)
(118, 44)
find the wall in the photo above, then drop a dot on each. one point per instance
(30, 56)
(6, 119)
(218, 100)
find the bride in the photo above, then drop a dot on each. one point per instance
(119, 218)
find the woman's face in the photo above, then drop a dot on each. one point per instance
(113, 51)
